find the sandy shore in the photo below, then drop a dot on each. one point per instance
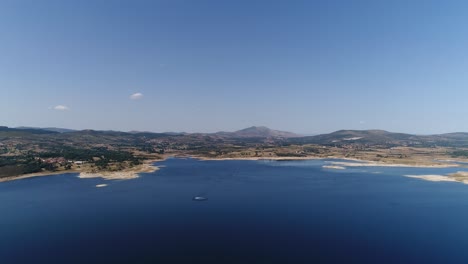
(435, 178)
(260, 158)
(355, 163)
(362, 163)
(461, 176)
(333, 167)
(147, 167)
(126, 174)
(37, 174)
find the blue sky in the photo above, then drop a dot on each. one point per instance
(205, 66)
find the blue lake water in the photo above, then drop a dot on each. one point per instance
(256, 212)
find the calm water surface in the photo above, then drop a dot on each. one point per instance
(256, 212)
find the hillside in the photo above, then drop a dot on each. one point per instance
(52, 129)
(27, 150)
(251, 134)
(258, 132)
(384, 138)
(369, 137)
(22, 132)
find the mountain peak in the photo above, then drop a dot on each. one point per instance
(262, 131)
(255, 128)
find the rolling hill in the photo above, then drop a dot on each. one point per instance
(258, 132)
(250, 134)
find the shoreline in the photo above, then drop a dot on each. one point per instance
(37, 174)
(148, 166)
(126, 174)
(460, 177)
(356, 163)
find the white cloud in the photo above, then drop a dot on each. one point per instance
(136, 96)
(362, 122)
(61, 108)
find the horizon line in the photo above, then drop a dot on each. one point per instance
(223, 131)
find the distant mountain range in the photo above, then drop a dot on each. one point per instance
(52, 129)
(382, 137)
(250, 132)
(338, 138)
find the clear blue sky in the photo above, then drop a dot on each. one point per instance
(303, 66)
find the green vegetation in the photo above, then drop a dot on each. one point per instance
(34, 150)
(17, 165)
(58, 156)
(101, 157)
(71, 153)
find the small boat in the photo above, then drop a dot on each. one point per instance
(199, 198)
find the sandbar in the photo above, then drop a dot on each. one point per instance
(334, 167)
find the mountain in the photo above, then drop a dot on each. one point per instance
(258, 132)
(338, 138)
(16, 132)
(52, 129)
(364, 137)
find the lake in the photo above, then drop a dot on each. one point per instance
(256, 212)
